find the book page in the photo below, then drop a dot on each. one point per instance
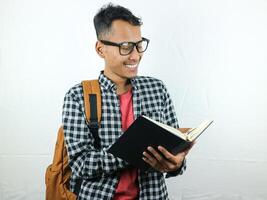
(195, 132)
(169, 128)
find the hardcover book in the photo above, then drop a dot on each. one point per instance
(145, 132)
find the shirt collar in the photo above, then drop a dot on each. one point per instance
(110, 85)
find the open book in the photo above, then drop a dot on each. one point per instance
(146, 132)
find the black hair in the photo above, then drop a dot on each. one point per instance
(110, 12)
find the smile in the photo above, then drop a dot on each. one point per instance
(131, 66)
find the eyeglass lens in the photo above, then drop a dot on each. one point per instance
(127, 47)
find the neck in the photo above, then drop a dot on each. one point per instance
(123, 89)
(123, 84)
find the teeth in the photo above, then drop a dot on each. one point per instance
(131, 66)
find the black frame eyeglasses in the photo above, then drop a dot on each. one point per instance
(126, 48)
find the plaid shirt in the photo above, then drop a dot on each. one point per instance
(100, 170)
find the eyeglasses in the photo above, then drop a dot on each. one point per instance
(125, 48)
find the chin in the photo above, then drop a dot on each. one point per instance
(133, 75)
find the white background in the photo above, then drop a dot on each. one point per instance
(211, 54)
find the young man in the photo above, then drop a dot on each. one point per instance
(125, 96)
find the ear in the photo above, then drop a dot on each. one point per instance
(99, 47)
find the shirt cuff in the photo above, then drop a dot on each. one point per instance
(177, 172)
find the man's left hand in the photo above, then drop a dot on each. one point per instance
(166, 162)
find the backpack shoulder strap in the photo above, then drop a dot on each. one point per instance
(92, 105)
(92, 95)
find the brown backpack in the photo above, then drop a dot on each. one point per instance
(58, 173)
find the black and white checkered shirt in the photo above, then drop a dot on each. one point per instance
(100, 170)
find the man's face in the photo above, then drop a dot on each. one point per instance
(118, 67)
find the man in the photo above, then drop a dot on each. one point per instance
(125, 96)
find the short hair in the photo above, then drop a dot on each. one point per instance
(110, 12)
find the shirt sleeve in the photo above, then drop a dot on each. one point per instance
(171, 120)
(177, 172)
(85, 161)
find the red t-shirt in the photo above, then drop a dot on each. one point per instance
(127, 188)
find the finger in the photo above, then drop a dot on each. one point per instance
(162, 161)
(147, 161)
(152, 161)
(153, 165)
(169, 156)
(155, 153)
(175, 161)
(148, 157)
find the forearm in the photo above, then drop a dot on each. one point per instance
(92, 164)
(84, 159)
